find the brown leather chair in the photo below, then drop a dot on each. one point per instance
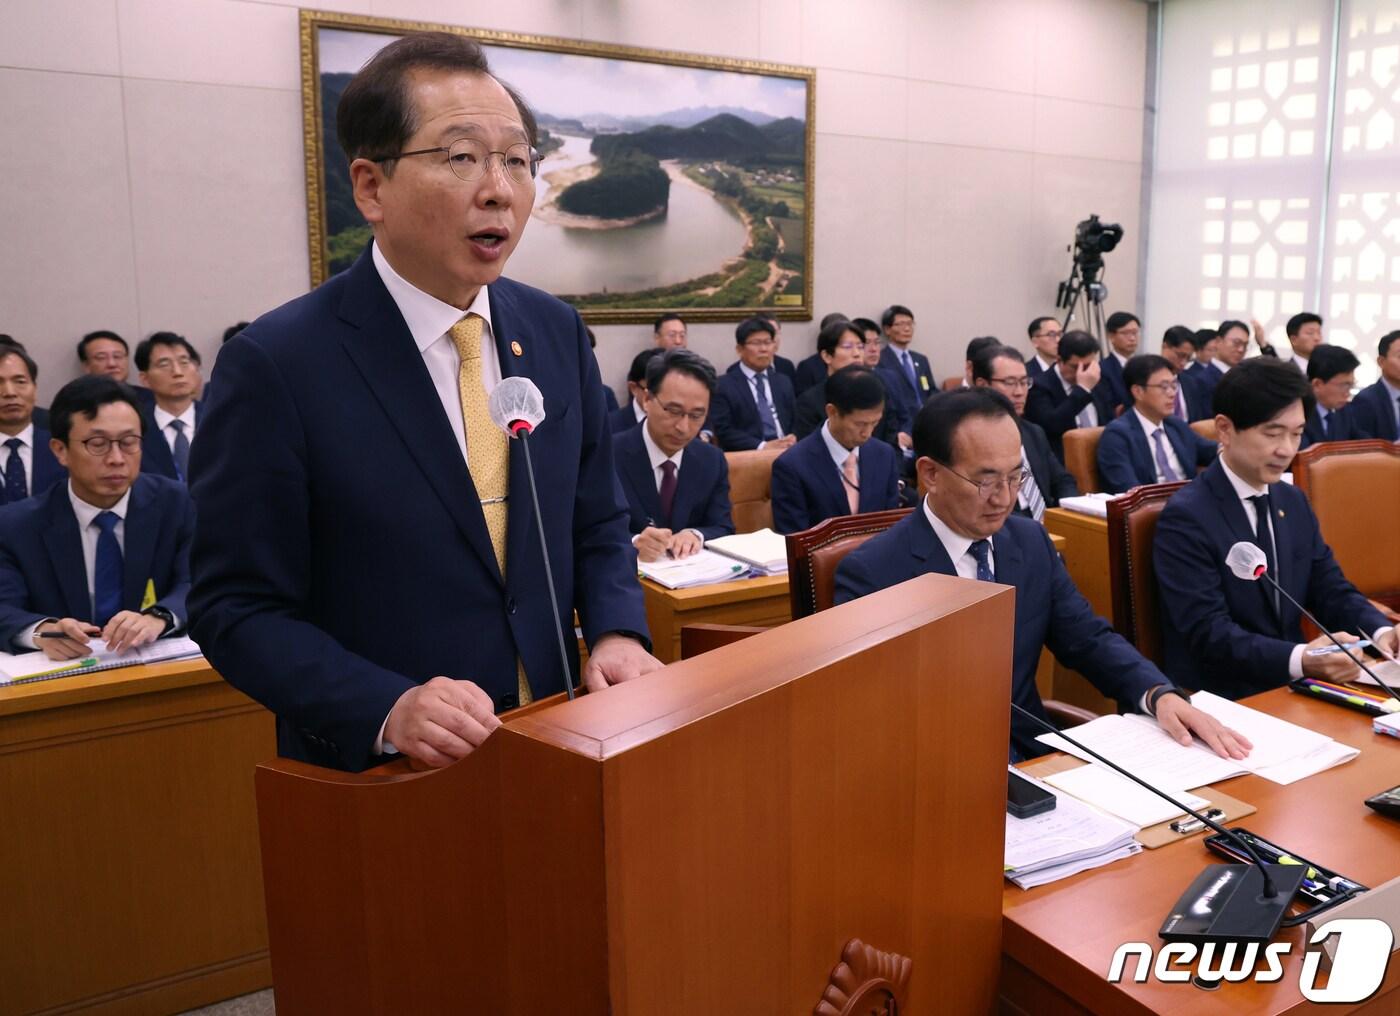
(1132, 523)
(1082, 457)
(749, 495)
(1206, 428)
(951, 384)
(812, 559)
(813, 555)
(1354, 488)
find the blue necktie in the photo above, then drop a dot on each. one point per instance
(181, 451)
(108, 571)
(981, 549)
(1164, 465)
(15, 488)
(765, 412)
(1326, 424)
(909, 370)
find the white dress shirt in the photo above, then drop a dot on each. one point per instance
(657, 457)
(1091, 409)
(1394, 405)
(25, 453)
(429, 320)
(768, 376)
(838, 451)
(1044, 364)
(1300, 363)
(164, 419)
(88, 534)
(958, 547)
(1122, 360)
(638, 411)
(1149, 428)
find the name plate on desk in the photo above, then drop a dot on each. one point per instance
(1381, 903)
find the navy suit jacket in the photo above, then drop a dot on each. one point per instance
(702, 487)
(44, 470)
(910, 398)
(40, 417)
(786, 368)
(609, 399)
(807, 488)
(1222, 633)
(1126, 460)
(1373, 413)
(156, 456)
(811, 414)
(341, 554)
(42, 573)
(622, 418)
(1207, 375)
(1341, 426)
(811, 371)
(1111, 380)
(1054, 412)
(1198, 396)
(1050, 611)
(1033, 367)
(1053, 479)
(734, 419)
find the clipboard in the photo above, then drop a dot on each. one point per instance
(1161, 834)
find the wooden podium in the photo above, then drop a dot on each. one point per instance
(706, 840)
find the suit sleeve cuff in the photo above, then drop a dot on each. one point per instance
(698, 535)
(381, 746)
(25, 639)
(1376, 635)
(1295, 662)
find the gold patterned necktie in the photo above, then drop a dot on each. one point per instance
(488, 449)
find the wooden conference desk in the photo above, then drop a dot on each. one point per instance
(129, 870)
(1086, 560)
(762, 602)
(1058, 939)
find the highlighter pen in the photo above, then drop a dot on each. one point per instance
(1325, 650)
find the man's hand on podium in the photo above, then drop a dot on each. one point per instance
(441, 721)
(617, 658)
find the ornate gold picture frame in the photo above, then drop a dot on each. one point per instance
(670, 181)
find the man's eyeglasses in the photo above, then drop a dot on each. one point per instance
(1165, 387)
(851, 347)
(760, 343)
(100, 446)
(468, 159)
(988, 488)
(675, 412)
(1014, 383)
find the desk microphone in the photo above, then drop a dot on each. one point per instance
(1226, 902)
(517, 407)
(1247, 562)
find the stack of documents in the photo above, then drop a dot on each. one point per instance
(1119, 796)
(699, 569)
(764, 551)
(1283, 752)
(1088, 504)
(1388, 672)
(1056, 844)
(36, 666)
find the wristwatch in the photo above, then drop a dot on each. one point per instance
(164, 615)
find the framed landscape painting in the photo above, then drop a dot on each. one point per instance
(669, 181)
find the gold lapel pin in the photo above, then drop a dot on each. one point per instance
(1280, 513)
(517, 349)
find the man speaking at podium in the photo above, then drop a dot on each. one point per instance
(366, 561)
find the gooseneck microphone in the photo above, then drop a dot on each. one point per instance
(1226, 902)
(517, 407)
(1247, 562)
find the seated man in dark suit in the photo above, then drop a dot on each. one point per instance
(907, 374)
(41, 413)
(677, 488)
(1043, 479)
(1376, 409)
(108, 552)
(27, 465)
(169, 367)
(628, 416)
(838, 470)
(1192, 395)
(840, 345)
(1231, 349)
(1147, 444)
(874, 345)
(1237, 637)
(754, 404)
(1045, 333)
(1332, 375)
(1124, 333)
(969, 462)
(1070, 396)
(812, 370)
(1203, 370)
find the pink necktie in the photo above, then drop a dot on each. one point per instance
(852, 478)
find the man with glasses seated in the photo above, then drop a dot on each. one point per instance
(169, 367)
(1147, 444)
(677, 488)
(106, 554)
(838, 469)
(839, 345)
(1192, 396)
(969, 463)
(1045, 335)
(1332, 375)
(753, 405)
(1043, 479)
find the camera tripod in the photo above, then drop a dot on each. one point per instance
(1082, 295)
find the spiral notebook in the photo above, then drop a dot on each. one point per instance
(23, 668)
